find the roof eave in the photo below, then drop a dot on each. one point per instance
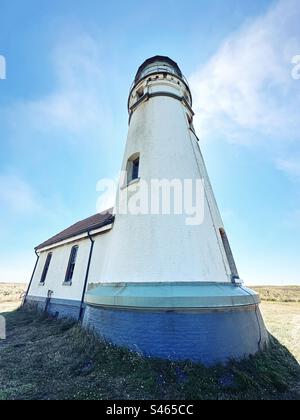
(78, 233)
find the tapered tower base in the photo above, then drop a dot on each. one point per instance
(206, 323)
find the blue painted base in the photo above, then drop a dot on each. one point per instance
(60, 308)
(209, 336)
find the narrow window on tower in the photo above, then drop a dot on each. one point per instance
(139, 93)
(190, 121)
(71, 265)
(229, 254)
(133, 168)
(46, 268)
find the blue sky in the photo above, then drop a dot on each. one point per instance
(63, 117)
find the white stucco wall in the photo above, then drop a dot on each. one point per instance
(150, 248)
(57, 272)
(155, 248)
(58, 267)
(100, 257)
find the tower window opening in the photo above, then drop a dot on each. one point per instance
(190, 121)
(229, 255)
(133, 168)
(46, 268)
(139, 93)
(71, 264)
(186, 97)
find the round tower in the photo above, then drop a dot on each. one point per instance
(169, 286)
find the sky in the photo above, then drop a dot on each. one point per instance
(63, 116)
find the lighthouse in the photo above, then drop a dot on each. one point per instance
(169, 287)
(156, 275)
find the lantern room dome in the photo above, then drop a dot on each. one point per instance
(157, 64)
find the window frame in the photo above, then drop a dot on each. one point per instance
(140, 93)
(190, 123)
(133, 169)
(71, 265)
(46, 269)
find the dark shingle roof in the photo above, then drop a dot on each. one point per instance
(91, 223)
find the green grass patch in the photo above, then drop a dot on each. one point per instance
(44, 358)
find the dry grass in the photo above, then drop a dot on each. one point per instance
(281, 310)
(11, 293)
(283, 322)
(44, 358)
(279, 293)
(47, 359)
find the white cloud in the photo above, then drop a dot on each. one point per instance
(76, 102)
(2, 68)
(16, 195)
(290, 166)
(247, 85)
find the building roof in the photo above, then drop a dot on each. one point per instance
(91, 223)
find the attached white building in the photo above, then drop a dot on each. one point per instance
(67, 262)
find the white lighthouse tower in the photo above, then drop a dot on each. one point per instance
(169, 286)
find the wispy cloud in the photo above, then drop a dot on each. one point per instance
(246, 91)
(290, 166)
(2, 67)
(76, 102)
(16, 195)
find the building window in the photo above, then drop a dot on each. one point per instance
(71, 265)
(133, 168)
(229, 255)
(46, 268)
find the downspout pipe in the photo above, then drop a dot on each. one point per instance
(32, 276)
(86, 276)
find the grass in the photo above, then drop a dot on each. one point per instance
(11, 292)
(44, 358)
(281, 311)
(11, 296)
(283, 321)
(279, 293)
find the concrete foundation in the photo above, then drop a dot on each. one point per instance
(60, 308)
(231, 327)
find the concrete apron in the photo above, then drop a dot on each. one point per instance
(202, 322)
